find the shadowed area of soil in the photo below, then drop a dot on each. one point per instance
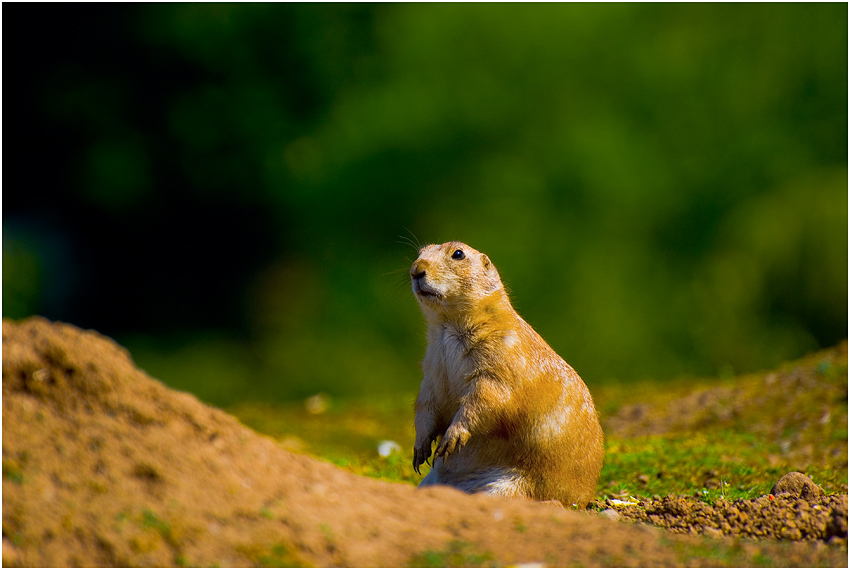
(104, 466)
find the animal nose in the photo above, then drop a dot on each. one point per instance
(417, 273)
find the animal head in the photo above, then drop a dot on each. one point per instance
(451, 277)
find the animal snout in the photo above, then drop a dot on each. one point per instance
(417, 271)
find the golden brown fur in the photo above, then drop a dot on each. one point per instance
(512, 418)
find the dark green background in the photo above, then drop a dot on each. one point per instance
(221, 187)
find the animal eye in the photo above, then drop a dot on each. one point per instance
(458, 254)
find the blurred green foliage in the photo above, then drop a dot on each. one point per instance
(663, 187)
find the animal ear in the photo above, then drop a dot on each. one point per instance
(492, 274)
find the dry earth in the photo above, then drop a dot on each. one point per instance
(104, 466)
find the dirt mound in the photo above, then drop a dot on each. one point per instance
(103, 466)
(801, 432)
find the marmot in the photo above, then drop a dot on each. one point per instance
(513, 418)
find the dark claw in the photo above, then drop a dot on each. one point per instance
(420, 456)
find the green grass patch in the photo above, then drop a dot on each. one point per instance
(12, 471)
(714, 553)
(710, 465)
(347, 433)
(275, 556)
(457, 554)
(150, 520)
(735, 456)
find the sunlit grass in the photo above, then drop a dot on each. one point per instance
(731, 458)
(346, 433)
(707, 465)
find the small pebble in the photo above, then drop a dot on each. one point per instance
(387, 447)
(610, 514)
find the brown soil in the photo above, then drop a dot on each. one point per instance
(785, 517)
(104, 466)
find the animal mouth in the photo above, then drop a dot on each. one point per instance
(422, 289)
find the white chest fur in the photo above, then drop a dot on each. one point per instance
(447, 357)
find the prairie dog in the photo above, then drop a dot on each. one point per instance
(512, 417)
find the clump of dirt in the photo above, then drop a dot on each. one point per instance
(798, 485)
(104, 466)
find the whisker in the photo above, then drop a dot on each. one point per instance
(413, 242)
(402, 282)
(404, 240)
(413, 235)
(396, 271)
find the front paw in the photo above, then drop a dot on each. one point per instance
(454, 439)
(421, 455)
